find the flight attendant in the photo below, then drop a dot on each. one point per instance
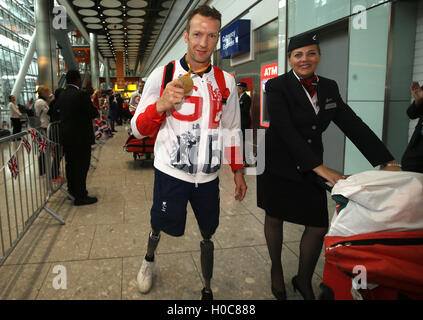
(301, 106)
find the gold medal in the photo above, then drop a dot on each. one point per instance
(188, 83)
(187, 80)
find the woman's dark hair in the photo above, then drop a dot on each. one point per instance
(10, 97)
(205, 11)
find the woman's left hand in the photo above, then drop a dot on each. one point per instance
(328, 174)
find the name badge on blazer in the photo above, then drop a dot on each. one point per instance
(330, 104)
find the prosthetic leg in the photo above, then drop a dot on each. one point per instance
(153, 241)
(145, 275)
(207, 260)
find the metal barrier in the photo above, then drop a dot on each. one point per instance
(31, 171)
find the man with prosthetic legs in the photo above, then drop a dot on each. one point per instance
(192, 109)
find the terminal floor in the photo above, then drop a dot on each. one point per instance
(101, 246)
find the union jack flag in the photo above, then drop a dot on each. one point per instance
(13, 166)
(26, 145)
(34, 135)
(42, 145)
(105, 126)
(98, 130)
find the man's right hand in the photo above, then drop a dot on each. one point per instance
(172, 94)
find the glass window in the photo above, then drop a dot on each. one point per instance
(16, 28)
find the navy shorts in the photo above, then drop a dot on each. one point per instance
(170, 200)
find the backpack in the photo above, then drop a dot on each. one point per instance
(218, 74)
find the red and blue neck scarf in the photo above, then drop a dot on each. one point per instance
(310, 84)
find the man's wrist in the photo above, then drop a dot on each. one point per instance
(160, 108)
(239, 171)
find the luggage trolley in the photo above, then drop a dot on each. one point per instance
(142, 149)
(374, 247)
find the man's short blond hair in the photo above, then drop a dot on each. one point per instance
(205, 11)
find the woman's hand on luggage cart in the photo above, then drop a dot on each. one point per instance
(328, 174)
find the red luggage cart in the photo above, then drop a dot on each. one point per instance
(142, 149)
(376, 265)
(392, 260)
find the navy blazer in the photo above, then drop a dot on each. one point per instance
(76, 114)
(294, 139)
(245, 105)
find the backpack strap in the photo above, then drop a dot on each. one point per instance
(167, 75)
(220, 79)
(218, 74)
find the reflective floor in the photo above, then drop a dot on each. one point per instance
(98, 252)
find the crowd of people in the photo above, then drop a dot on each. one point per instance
(83, 114)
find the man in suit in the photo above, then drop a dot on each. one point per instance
(412, 159)
(77, 135)
(245, 106)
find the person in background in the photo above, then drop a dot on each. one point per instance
(135, 98)
(412, 160)
(301, 106)
(54, 113)
(119, 115)
(113, 111)
(15, 115)
(126, 115)
(41, 109)
(77, 136)
(42, 105)
(245, 105)
(95, 98)
(54, 109)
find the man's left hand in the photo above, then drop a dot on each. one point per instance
(240, 186)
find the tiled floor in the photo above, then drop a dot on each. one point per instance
(101, 246)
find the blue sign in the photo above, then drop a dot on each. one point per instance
(235, 39)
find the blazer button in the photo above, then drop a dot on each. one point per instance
(309, 141)
(298, 167)
(314, 127)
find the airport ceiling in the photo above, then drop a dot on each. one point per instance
(131, 26)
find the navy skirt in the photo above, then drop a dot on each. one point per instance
(301, 202)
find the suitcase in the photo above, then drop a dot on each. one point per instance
(374, 266)
(374, 247)
(141, 148)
